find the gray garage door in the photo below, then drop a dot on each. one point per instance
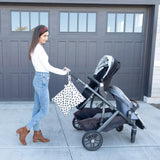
(79, 37)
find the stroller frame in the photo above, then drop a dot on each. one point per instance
(92, 135)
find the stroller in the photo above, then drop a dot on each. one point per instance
(104, 116)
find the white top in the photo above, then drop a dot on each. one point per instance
(40, 61)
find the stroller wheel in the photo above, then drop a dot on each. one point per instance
(76, 124)
(133, 135)
(92, 140)
(120, 128)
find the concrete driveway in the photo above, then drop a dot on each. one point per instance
(66, 142)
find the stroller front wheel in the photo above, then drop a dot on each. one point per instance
(120, 128)
(92, 140)
(75, 124)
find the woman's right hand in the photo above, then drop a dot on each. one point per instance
(67, 69)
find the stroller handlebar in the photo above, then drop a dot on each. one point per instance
(73, 76)
(90, 78)
(93, 79)
(77, 79)
(92, 90)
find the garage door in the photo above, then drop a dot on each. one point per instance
(79, 37)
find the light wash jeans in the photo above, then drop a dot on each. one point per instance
(41, 99)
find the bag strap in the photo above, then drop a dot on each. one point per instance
(69, 78)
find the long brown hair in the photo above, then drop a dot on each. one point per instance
(35, 40)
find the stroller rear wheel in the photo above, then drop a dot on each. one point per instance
(92, 140)
(76, 124)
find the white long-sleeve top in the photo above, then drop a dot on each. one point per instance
(40, 62)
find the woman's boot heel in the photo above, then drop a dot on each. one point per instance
(18, 131)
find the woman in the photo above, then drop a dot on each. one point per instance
(39, 59)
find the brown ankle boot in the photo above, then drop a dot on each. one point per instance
(22, 134)
(38, 136)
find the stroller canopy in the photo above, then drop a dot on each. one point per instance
(105, 69)
(106, 61)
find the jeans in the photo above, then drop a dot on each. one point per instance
(41, 99)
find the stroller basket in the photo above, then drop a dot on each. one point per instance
(90, 119)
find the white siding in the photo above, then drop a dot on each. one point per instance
(155, 93)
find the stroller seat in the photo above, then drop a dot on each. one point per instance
(125, 105)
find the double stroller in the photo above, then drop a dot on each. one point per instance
(104, 116)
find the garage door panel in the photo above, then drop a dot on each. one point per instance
(139, 53)
(25, 85)
(1, 53)
(67, 53)
(19, 86)
(23, 54)
(13, 54)
(61, 52)
(71, 55)
(81, 56)
(108, 47)
(129, 84)
(1, 85)
(118, 48)
(131, 51)
(132, 54)
(91, 55)
(128, 53)
(13, 85)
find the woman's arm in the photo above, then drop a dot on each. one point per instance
(43, 58)
(50, 68)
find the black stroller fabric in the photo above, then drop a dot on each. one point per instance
(86, 93)
(110, 74)
(100, 78)
(88, 119)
